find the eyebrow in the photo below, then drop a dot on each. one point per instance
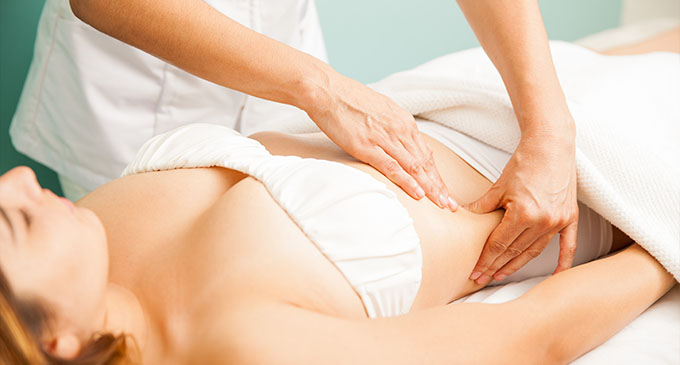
(9, 224)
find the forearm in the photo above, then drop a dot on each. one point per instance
(558, 320)
(513, 35)
(195, 37)
(585, 306)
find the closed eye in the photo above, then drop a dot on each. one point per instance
(27, 217)
(3, 214)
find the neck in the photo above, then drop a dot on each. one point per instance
(126, 315)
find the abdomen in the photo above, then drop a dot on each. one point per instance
(451, 242)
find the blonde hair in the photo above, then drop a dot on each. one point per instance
(23, 322)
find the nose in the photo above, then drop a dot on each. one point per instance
(19, 184)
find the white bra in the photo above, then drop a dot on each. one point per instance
(353, 219)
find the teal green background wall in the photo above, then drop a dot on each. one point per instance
(18, 25)
(366, 40)
(370, 39)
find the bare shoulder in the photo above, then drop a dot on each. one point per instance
(145, 209)
(162, 192)
(162, 187)
(258, 332)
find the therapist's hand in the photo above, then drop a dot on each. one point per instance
(375, 130)
(538, 191)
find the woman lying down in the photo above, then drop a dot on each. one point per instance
(274, 258)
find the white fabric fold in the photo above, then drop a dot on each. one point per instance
(352, 218)
(627, 116)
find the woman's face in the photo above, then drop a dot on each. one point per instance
(52, 251)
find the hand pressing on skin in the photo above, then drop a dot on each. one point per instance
(366, 124)
(537, 189)
(375, 130)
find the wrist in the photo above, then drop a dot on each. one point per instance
(546, 115)
(552, 137)
(312, 90)
(560, 126)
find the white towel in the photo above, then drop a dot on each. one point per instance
(627, 113)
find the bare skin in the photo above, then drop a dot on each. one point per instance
(226, 264)
(538, 186)
(668, 41)
(450, 242)
(204, 267)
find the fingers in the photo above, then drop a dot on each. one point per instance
(375, 130)
(498, 242)
(567, 247)
(489, 202)
(416, 158)
(527, 255)
(516, 248)
(389, 167)
(396, 166)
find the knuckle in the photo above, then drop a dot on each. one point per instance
(391, 167)
(412, 167)
(428, 164)
(497, 246)
(428, 155)
(562, 219)
(507, 271)
(358, 147)
(533, 253)
(407, 129)
(513, 252)
(427, 183)
(406, 116)
(529, 215)
(427, 158)
(363, 139)
(546, 220)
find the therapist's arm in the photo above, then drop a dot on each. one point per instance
(538, 185)
(195, 37)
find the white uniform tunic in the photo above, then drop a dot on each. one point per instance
(91, 101)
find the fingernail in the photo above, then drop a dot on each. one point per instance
(484, 279)
(420, 193)
(453, 205)
(475, 275)
(443, 200)
(500, 277)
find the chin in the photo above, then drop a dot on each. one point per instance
(90, 218)
(94, 226)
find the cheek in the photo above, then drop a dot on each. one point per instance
(93, 251)
(84, 277)
(78, 260)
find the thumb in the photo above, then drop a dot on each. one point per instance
(489, 202)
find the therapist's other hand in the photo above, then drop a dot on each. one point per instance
(538, 191)
(375, 130)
